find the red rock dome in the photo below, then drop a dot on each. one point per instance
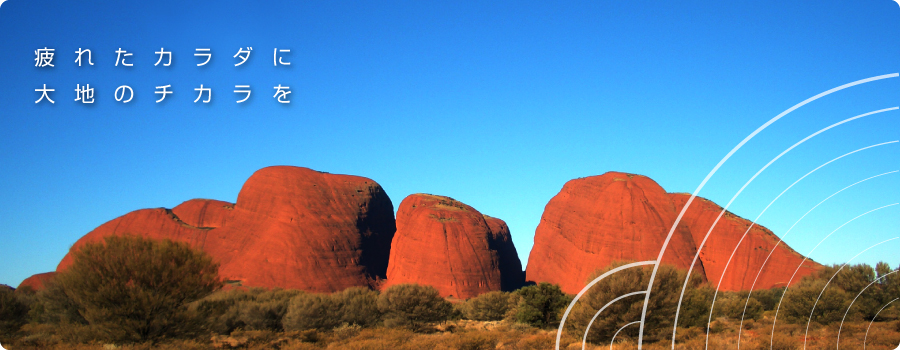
(449, 245)
(291, 228)
(597, 220)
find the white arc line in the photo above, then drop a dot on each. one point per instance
(781, 239)
(838, 346)
(687, 204)
(786, 288)
(806, 335)
(617, 333)
(873, 321)
(716, 222)
(588, 329)
(562, 322)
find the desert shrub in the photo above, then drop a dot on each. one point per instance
(412, 306)
(734, 304)
(662, 304)
(13, 312)
(311, 311)
(266, 310)
(768, 298)
(132, 289)
(540, 305)
(799, 301)
(220, 311)
(695, 306)
(357, 306)
(52, 305)
(491, 306)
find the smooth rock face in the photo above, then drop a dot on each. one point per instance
(38, 281)
(596, 220)
(748, 257)
(449, 245)
(290, 228)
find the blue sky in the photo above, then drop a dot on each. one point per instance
(496, 104)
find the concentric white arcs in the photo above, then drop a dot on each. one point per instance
(688, 203)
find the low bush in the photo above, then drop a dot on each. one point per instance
(540, 305)
(491, 306)
(413, 306)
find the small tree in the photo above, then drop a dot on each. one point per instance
(413, 306)
(540, 305)
(133, 289)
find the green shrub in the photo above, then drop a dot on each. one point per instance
(132, 289)
(13, 312)
(799, 301)
(540, 305)
(413, 306)
(311, 311)
(660, 309)
(491, 306)
(357, 306)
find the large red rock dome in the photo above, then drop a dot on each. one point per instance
(596, 220)
(291, 227)
(449, 245)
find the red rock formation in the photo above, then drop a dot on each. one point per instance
(449, 245)
(750, 255)
(205, 213)
(597, 220)
(615, 216)
(37, 282)
(291, 228)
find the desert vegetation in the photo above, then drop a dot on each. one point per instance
(134, 293)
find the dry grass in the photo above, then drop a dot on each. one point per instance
(473, 335)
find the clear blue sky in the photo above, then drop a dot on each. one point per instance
(496, 104)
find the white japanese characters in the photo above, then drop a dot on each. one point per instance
(243, 55)
(162, 52)
(81, 52)
(202, 53)
(84, 94)
(125, 94)
(43, 57)
(121, 55)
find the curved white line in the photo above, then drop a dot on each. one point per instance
(562, 322)
(786, 288)
(806, 335)
(873, 321)
(588, 329)
(747, 302)
(662, 251)
(731, 257)
(838, 346)
(617, 333)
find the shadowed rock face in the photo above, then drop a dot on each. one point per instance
(596, 220)
(449, 245)
(291, 228)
